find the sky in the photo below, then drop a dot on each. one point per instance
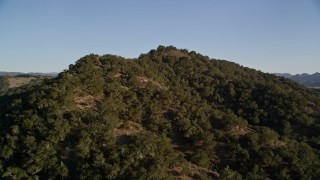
(267, 35)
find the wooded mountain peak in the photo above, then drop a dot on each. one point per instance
(170, 113)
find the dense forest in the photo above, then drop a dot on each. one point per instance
(168, 114)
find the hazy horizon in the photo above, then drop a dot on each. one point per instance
(271, 36)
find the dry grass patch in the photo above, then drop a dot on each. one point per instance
(19, 81)
(176, 53)
(143, 80)
(241, 131)
(87, 101)
(193, 171)
(278, 143)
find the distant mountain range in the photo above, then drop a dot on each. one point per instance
(4, 73)
(309, 80)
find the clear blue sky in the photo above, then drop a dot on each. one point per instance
(268, 35)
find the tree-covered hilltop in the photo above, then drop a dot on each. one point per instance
(168, 114)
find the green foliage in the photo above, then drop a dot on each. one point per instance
(152, 117)
(147, 157)
(201, 158)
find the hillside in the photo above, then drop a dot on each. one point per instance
(169, 114)
(11, 84)
(3, 73)
(309, 80)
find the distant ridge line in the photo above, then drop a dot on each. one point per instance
(4, 73)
